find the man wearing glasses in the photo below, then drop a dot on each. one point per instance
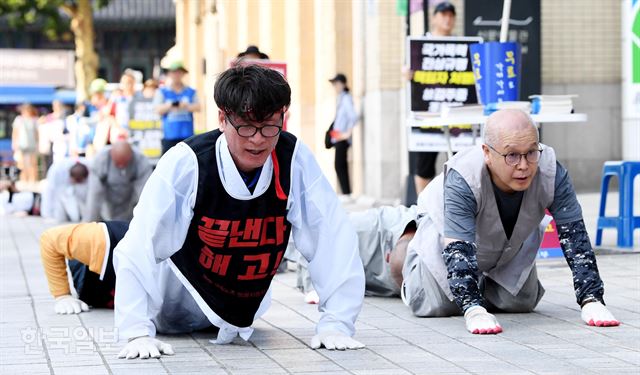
(475, 248)
(213, 222)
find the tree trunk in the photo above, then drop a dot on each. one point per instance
(86, 65)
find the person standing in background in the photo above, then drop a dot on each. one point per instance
(79, 131)
(343, 124)
(149, 88)
(176, 103)
(123, 101)
(442, 23)
(103, 117)
(24, 142)
(51, 135)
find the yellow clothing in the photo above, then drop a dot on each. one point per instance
(85, 242)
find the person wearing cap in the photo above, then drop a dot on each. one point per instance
(253, 52)
(443, 20)
(343, 123)
(98, 97)
(474, 250)
(176, 103)
(214, 220)
(442, 23)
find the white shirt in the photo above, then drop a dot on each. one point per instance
(59, 187)
(150, 296)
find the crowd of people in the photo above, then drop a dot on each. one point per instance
(95, 137)
(196, 241)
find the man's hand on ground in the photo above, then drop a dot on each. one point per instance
(334, 340)
(479, 321)
(145, 347)
(596, 314)
(67, 304)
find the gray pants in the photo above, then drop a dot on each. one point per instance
(379, 230)
(422, 293)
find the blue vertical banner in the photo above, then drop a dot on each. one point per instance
(484, 18)
(496, 69)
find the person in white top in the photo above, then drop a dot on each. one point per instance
(65, 193)
(213, 222)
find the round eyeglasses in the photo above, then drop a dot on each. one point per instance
(513, 158)
(247, 131)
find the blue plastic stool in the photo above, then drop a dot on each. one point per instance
(625, 222)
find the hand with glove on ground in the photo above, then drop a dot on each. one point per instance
(145, 347)
(596, 314)
(67, 304)
(334, 340)
(479, 321)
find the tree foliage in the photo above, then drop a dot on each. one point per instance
(55, 17)
(52, 16)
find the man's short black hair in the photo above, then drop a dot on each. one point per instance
(78, 172)
(252, 92)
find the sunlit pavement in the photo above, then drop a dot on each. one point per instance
(552, 340)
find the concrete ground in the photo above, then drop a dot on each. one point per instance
(552, 340)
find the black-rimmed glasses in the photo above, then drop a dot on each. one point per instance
(513, 158)
(247, 131)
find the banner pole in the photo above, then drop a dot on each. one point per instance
(506, 14)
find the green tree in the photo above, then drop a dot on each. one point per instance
(49, 14)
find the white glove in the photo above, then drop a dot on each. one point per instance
(67, 304)
(334, 340)
(145, 347)
(478, 320)
(596, 314)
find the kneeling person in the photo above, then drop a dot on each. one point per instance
(475, 248)
(89, 249)
(213, 222)
(383, 235)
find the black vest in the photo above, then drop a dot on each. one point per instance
(234, 247)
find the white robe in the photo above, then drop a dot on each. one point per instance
(149, 296)
(61, 199)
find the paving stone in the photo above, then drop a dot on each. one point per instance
(551, 340)
(80, 370)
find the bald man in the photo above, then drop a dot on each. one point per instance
(475, 248)
(117, 176)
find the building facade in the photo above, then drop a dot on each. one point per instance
(365, 41)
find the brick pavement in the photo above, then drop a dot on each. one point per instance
(552, 340)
